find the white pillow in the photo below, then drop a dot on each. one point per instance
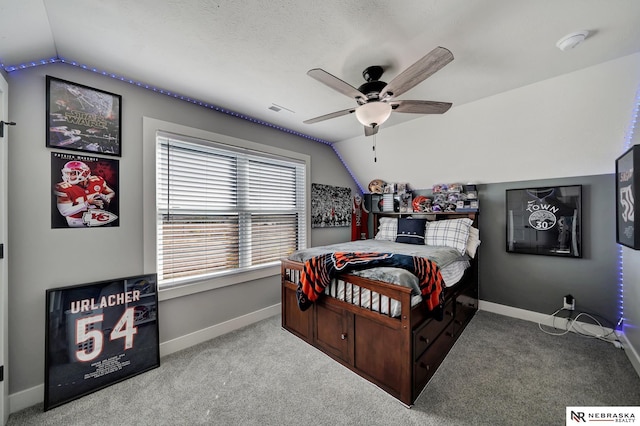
(388, 229)
(450, 233)
(473, 242)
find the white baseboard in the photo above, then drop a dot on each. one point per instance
(631, 352)
(188, 340)
(510, 311)
(35, 395)
(547, 320)
(26, 398)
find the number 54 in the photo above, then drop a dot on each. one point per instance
(124, 328)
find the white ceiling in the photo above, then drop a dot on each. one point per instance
(247, 55)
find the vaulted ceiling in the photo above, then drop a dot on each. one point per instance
(252, 56)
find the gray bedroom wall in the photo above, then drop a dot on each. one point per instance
(631, 268)
(538, 283)
(42, 258)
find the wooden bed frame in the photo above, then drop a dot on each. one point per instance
(398, 354)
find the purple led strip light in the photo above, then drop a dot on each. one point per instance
(627, 145)
(23, 66)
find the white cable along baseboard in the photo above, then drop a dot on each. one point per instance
(561, 323)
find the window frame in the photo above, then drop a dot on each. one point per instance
(151, 127)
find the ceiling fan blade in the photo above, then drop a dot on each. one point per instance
(328, 116)
(416, 73)
(369, 131)
(335, 83)
(420, 107)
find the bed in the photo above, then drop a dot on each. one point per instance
(375, 321)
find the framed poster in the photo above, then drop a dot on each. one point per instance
(84, 191)
(546, 221)
(330, 206)
(627, 184)
(81, 118)
(98, 334)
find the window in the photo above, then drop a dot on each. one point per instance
(223, 209)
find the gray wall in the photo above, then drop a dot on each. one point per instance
(631, 274)
(42, 258)
(538, 283)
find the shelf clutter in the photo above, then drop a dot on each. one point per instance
(441, 198)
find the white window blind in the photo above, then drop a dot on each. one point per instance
(223, 209)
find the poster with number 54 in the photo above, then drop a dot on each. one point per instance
(99, 334)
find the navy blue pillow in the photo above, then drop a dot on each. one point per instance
(411, 230)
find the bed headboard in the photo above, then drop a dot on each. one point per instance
(431, 216)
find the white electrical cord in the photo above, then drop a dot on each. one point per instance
(573, 325)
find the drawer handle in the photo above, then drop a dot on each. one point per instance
(425, 366)
(449, 334)
(424, 339)
(449, 313)
(343, 336)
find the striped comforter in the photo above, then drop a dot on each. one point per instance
(319, 270)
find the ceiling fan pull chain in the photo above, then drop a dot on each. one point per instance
(375, 154)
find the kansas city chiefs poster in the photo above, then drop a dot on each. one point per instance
(84, 191)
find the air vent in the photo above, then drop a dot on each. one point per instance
(278, 108)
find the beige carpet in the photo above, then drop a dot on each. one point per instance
(502, 371)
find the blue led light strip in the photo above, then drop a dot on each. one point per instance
(26, 65)
(627, 144)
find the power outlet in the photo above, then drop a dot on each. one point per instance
(569, 302)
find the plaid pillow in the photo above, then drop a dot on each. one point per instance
(388, 229)
(451, 233)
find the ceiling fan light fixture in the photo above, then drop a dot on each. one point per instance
(373, 113)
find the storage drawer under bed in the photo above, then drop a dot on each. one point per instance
(427, 364)
(466, 305)
(427, 333)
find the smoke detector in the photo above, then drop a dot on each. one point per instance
(571, 40)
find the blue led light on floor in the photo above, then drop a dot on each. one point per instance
(12, 68)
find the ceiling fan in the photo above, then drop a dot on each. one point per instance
(376, 99)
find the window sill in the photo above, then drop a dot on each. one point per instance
(212, 283)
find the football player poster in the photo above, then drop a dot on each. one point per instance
(98, 334)
(84, 191)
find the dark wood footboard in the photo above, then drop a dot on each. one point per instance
(398, 354)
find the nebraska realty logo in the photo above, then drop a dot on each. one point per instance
(602, 415)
